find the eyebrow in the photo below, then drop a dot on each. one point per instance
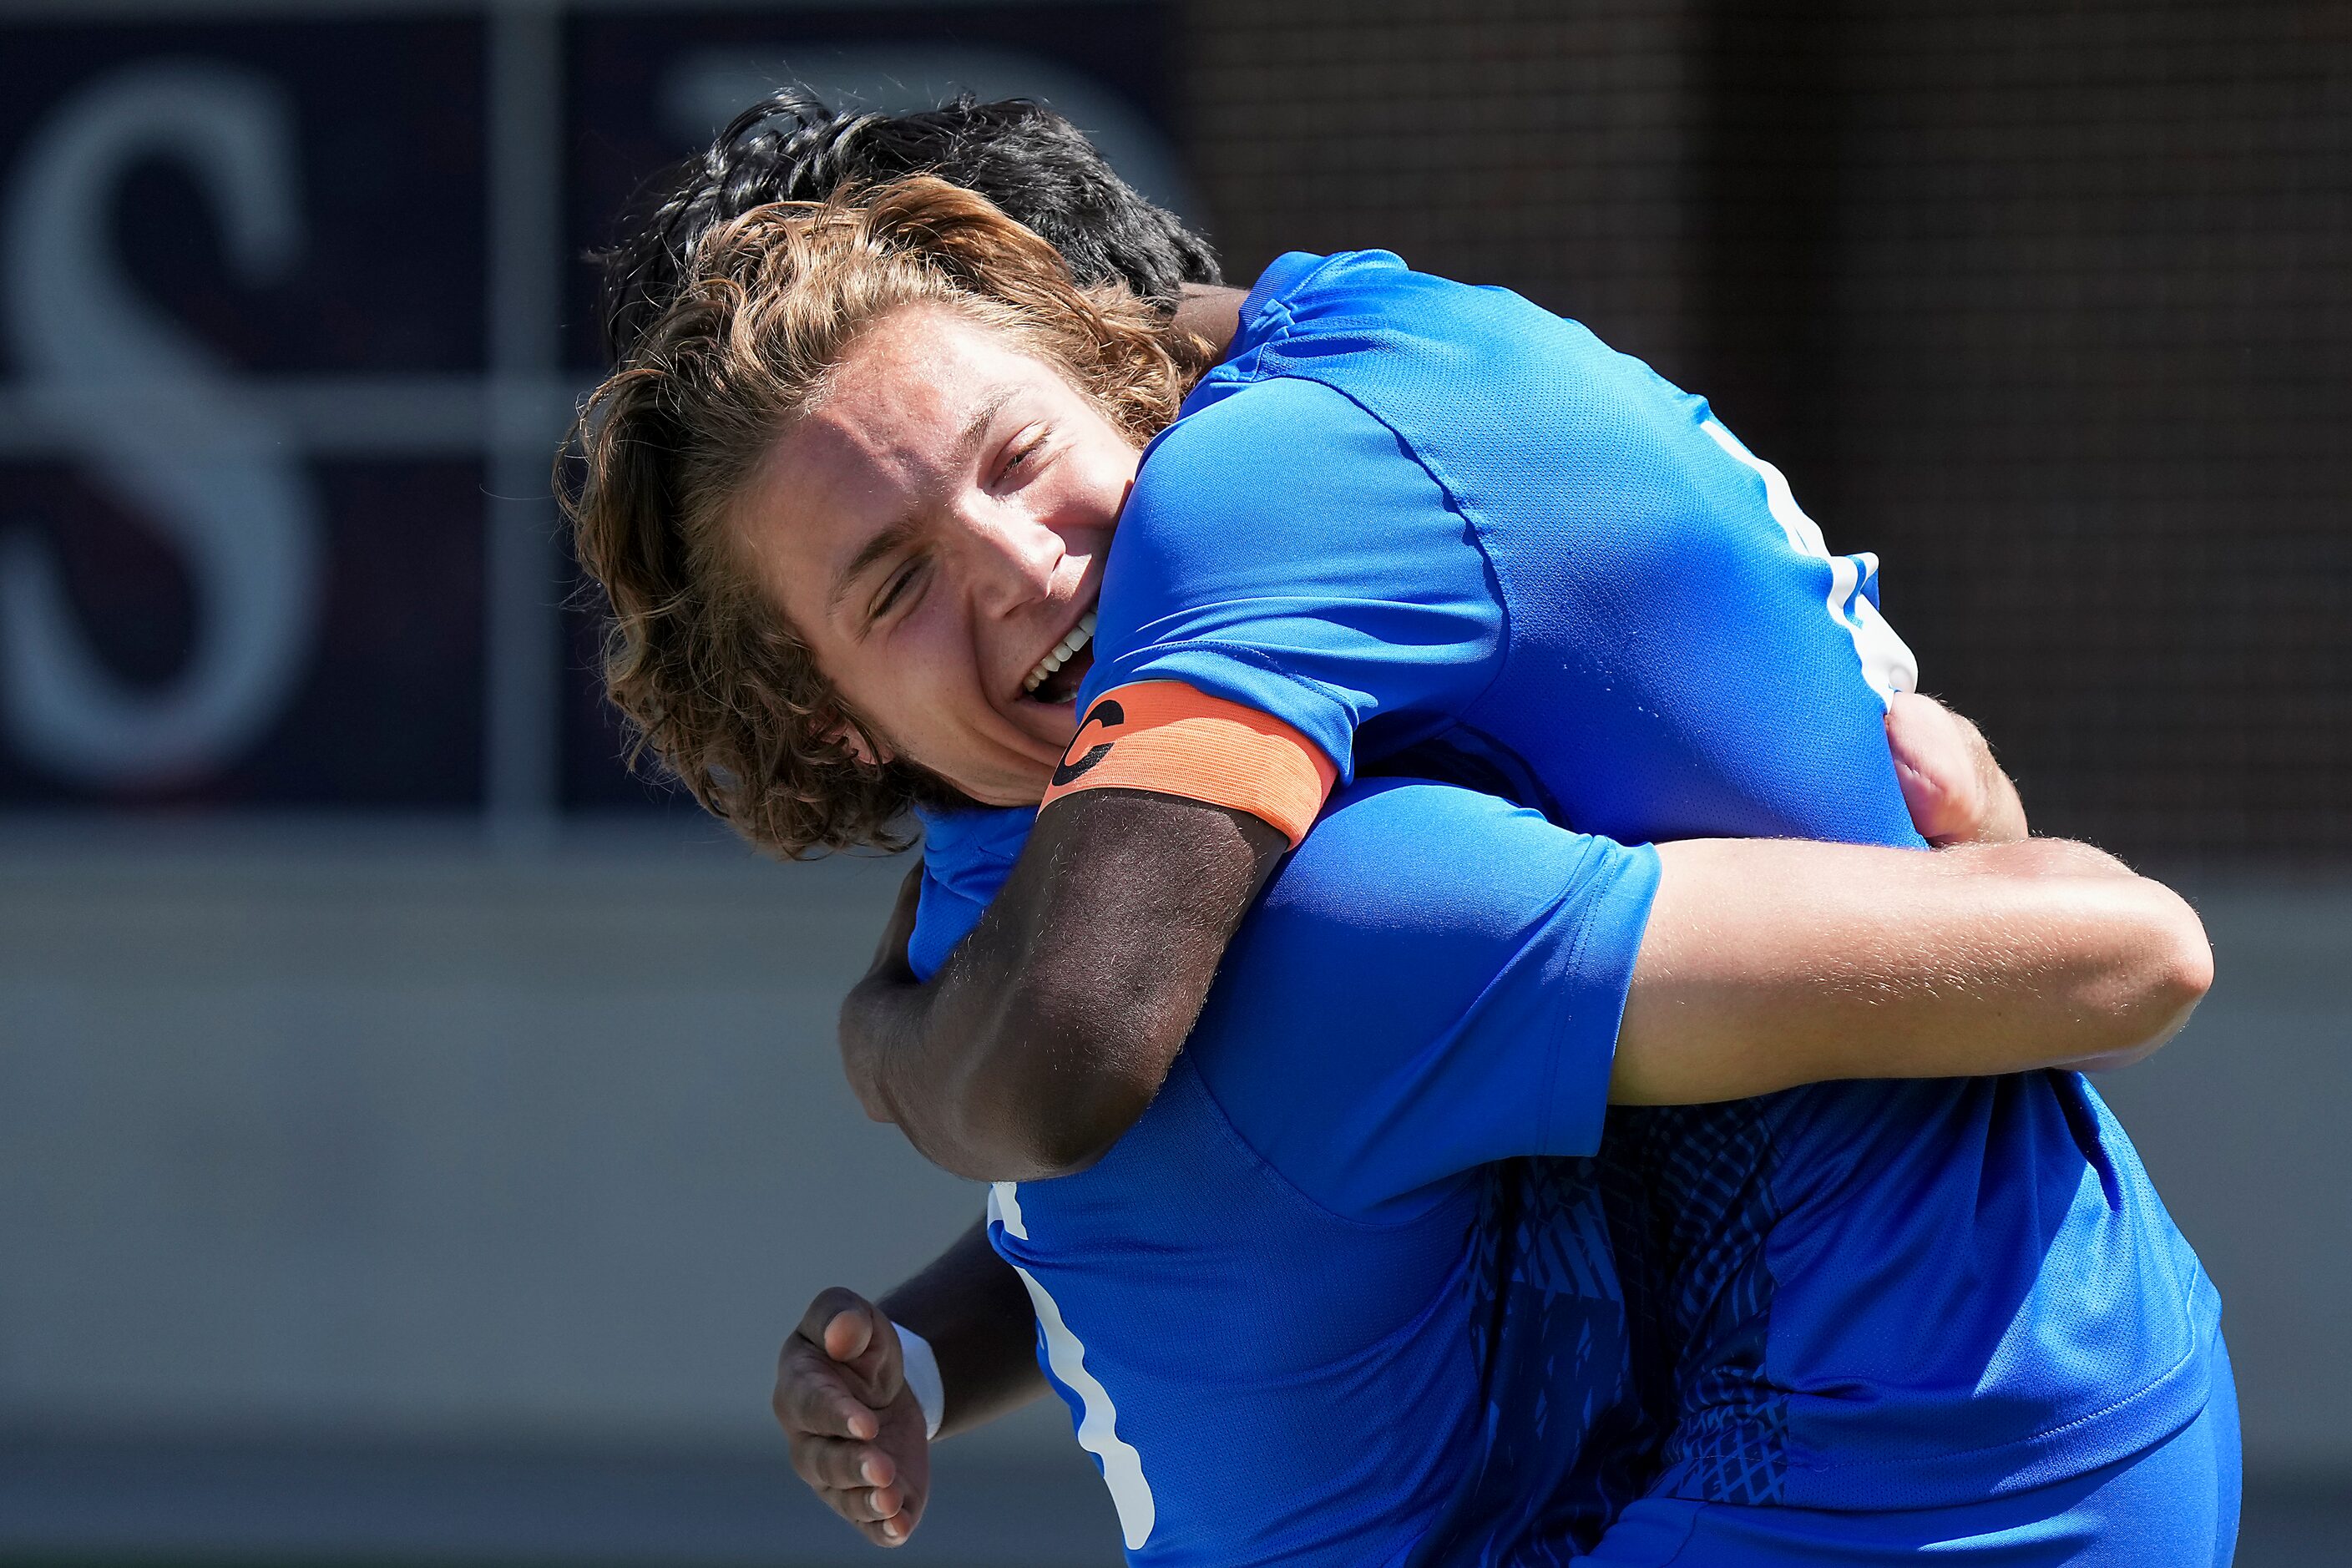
(894, 536)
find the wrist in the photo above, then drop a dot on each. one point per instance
(921, 1370)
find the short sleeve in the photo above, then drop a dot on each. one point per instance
(967, 856)
(1433, 981)
(1282, 550)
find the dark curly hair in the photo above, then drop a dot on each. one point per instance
(1033, 164)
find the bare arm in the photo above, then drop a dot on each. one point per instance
(1772, 963)
(1211, 313)
(974, 1311)
(1050, 1028)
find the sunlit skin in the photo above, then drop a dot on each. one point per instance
(932, 529)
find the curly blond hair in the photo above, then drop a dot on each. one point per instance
(711, 677)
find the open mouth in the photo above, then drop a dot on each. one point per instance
(1059, 674)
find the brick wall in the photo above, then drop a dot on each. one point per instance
(2045, 301)
(1544, 147)
(2095, 370)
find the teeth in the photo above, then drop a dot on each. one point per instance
(1080, 635)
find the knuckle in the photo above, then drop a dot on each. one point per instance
(829, 1303)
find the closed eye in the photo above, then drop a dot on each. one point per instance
(1022, 458)
(895, 590)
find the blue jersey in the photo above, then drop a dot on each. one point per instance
(1430, 526)
(1277, 1332)
(1437, 530)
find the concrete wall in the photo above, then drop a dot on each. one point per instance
(406, 1142)
(2240, 1122)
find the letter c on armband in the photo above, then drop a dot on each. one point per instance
(1175, 740)
(1109, 715)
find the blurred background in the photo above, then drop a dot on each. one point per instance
(416, 1135)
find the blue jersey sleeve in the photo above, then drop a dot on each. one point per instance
(967, 856)
(1405, 511)
(1433, 981)
(1281, 550)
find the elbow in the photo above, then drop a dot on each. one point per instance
(1010, 1129)
(2171, 972)
(1062, 1140)
(2190, 973)
(1053, 1099)
(1052, 1125)
(2180, 967)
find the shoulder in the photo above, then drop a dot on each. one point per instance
(1299, 284)
(1448, 364)
(1365, 319)
(1431, 982)
(1286, 487)
(1401, 907)
(1304, 296)
(1404, 862)
(1284, 431)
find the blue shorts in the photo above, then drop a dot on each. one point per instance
(2171, 1506)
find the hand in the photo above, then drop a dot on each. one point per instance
(1955, 792)
(856, 1430)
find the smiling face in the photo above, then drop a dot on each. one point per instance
(934, 527)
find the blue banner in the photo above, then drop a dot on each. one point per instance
(292, 313)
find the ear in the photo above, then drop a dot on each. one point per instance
(853, 739)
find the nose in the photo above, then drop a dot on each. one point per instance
(1011, 560)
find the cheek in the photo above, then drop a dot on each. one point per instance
(880, 682)
(1098, 485)
(926, 683)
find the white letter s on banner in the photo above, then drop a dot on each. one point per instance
(157, 418)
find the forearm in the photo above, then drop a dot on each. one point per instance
(1050, 1028)
(996, 1071)
(974, 1312)
(1769, 964)
(2061, 955)
(919, 1056)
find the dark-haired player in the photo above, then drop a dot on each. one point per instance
(1028, 160)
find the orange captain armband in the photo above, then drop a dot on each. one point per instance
(1165, 737)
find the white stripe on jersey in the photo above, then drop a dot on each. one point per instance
(1887, 662)
(1122, 1467)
